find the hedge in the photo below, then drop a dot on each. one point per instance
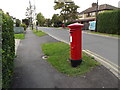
(108, 22)
(0, 49)
(8, 50)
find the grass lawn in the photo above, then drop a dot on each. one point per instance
(113, 35)
(39, 33)
(19, 36)
(58, 54)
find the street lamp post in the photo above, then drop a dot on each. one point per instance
(96, 16)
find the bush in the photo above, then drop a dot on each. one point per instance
(108, 22)
(8, 50)
(24, 25)
(18, 22)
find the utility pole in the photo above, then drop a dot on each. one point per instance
(96, 17)
(30, 13)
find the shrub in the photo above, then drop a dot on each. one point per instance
(18, 22)
(8, 50)
(24, 25)
(108, 22)
(0, 49)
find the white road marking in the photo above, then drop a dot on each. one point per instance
(103, 58)
(112, 67)
(101, 35)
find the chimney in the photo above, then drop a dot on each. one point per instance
(94, 4)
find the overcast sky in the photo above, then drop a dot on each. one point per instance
(17, 8)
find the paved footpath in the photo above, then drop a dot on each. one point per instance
(31, 71)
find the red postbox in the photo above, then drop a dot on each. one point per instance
(76, 43)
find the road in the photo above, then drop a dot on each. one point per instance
(106, 47)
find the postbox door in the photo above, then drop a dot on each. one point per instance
(73, 44)
(75, 41)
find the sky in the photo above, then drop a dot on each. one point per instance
(17, 8)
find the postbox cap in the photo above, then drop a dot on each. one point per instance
(75, 25)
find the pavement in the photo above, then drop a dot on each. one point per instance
(31, 71)
(104, 49)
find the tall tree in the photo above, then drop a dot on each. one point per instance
(48, 22)
(56, 20)
(30, 13)
(40, 19)
(72, 11)
(68, 10)
(18, 22)
(26, 21)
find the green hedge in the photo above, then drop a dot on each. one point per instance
(0, 49)
(8, 50)
(108, 22)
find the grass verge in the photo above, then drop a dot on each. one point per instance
(58, 53)
(39, 33)
(113, 35)
(19, 36)
(61, 28)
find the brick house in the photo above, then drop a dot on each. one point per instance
(90, 13)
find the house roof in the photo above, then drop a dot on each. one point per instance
(85, 19)
(100, 8)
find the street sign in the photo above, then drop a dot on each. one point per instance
(92, 25)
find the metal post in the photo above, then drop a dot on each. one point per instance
(96, 16)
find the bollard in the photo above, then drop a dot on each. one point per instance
(75, 44)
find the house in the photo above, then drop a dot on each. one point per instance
(90, 13)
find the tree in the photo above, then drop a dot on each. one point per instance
(18, 22)
(30, 13)
(48, 22)
(26, 21)
(68, 11)
(40, 19)
(56, 20)
(72, 11)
